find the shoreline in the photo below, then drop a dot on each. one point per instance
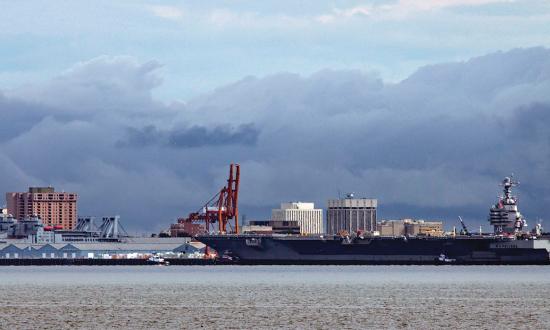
(215, 262)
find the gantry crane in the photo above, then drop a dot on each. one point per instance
(221, 208)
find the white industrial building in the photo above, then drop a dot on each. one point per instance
(308, 217)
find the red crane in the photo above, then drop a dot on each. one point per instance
(221, 208)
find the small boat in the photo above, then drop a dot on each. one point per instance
(155, 259)
(443, 258)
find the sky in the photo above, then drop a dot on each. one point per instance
(140, 106)
(203, 45)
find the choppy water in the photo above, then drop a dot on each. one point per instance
(236, 297)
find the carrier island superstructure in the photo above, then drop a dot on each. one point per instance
(510, 243)
(504, 215)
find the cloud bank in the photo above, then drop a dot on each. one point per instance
(192, 137)
(434, 145)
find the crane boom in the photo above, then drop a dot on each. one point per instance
(221, 208)
(464, 228)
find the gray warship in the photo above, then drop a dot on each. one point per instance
(510, 243)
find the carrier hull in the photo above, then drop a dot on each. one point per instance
(264, 249)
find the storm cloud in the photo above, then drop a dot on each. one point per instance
(192, 137)
(434, 145)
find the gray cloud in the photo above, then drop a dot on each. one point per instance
(192, 137)
(434, 145)
(104, 84)
(532, 123)
(197, 136)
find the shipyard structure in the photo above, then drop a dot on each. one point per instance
(103, 238)
(354, 237)
(42, 224)
(42, 228)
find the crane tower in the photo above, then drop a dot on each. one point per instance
(221, 208)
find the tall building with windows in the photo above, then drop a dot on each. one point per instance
(351, 214)
(53, 208)
(308, 217)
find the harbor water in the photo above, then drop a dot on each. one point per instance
(265, 297)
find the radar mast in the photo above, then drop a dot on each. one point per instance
(504, 215)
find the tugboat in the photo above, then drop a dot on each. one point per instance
(443, 259)
(157, 260)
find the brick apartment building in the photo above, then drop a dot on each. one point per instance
(54, 208)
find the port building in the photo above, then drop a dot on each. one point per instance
(410, 227)
(55, 209)
(351, 215)
(268, 227)
(31, 239)
(132, 248)
(308, 217)
(184, 228)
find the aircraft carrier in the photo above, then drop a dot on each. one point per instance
(510, 243)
